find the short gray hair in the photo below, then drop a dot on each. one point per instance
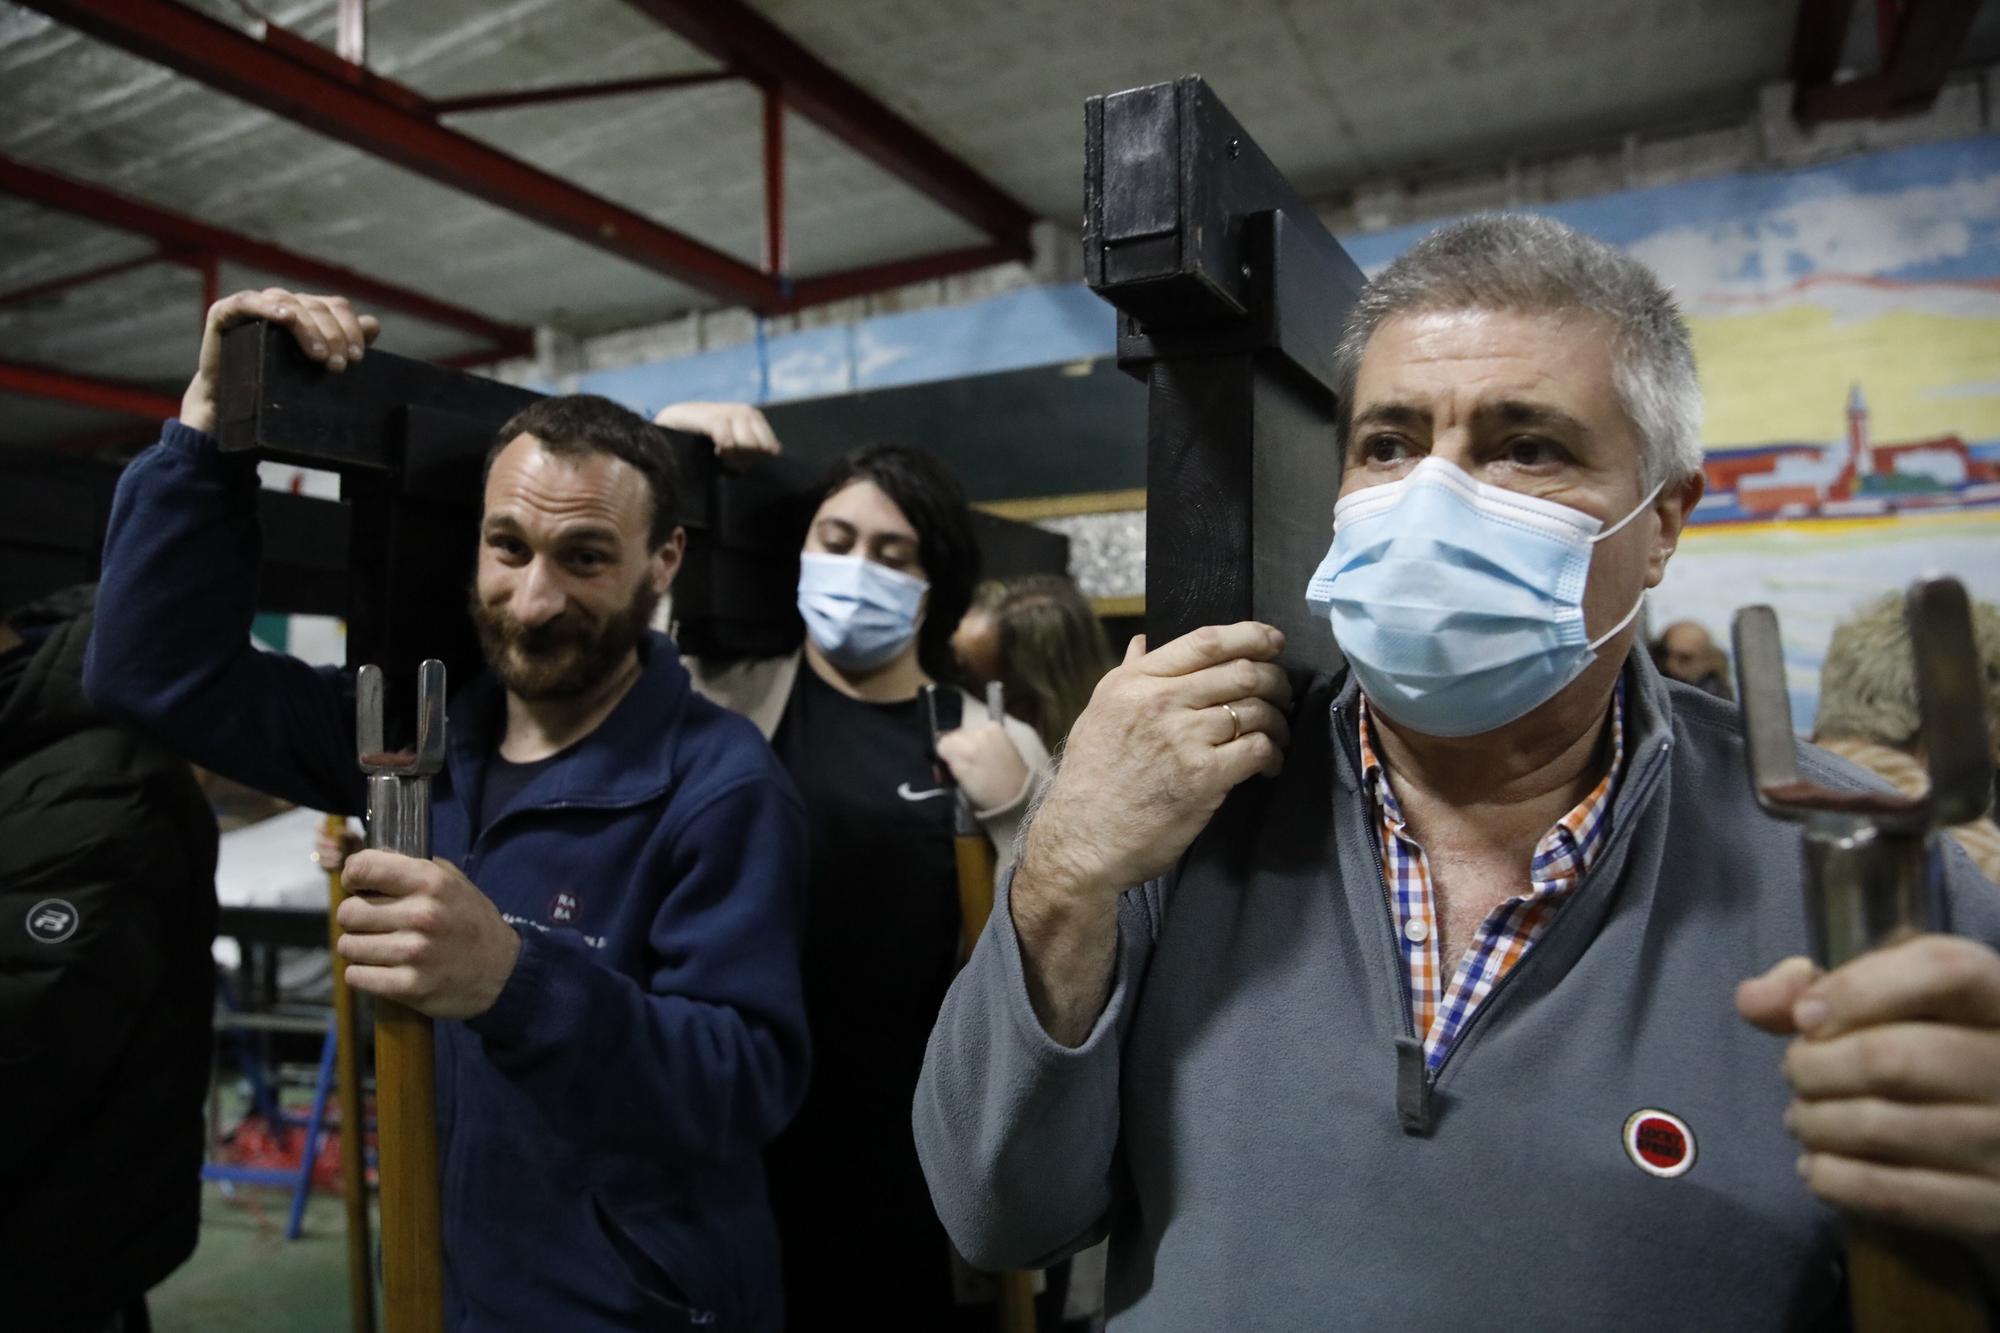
(1536, 265)
(1868, 683)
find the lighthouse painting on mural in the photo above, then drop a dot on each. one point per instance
(1846, 319)
(1852, 476)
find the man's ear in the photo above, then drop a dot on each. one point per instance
(1674, 505)
(666, 561)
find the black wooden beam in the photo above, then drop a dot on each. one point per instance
(410, 438)
(54, 509)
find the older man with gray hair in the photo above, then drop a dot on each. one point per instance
(1440, 1026)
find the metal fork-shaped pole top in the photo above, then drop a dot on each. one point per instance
(1951, 702)
(1867, 861)
(1950, 706)
(399, 782)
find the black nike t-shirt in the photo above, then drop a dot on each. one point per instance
(881, 946)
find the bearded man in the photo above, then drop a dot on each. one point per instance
(608, 936)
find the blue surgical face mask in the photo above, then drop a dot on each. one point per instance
(1460, 605)
(860, 613)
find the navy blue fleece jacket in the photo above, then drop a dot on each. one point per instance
(601, 1125)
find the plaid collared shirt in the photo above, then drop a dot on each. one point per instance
(1562, 857)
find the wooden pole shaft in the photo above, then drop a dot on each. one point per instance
(406, 1120)
(353, 1111)
(976, 867)
(976, 864)
(1017, 1302)
(1901, 1280)
(399, 821)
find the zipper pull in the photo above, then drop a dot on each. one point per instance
(1413, 1087)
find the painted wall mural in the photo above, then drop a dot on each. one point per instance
(1847, 323)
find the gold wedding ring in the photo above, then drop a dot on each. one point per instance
(1235, 722)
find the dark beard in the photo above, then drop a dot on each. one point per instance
(562, 658)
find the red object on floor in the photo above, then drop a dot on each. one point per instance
(257, 1142)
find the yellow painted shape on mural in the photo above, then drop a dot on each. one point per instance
(1780, 375)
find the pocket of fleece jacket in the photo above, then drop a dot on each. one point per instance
(647, 1271)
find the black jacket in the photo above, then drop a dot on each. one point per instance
(107, 911)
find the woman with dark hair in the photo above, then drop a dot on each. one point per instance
(887, 568)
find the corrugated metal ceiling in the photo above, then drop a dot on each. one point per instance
(1338, 91)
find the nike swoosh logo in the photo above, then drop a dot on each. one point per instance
(909, 795)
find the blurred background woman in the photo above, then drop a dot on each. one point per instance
(1038, 635)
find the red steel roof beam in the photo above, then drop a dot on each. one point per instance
(358, 111)
(570, 92)
(776, 260)
(195, 238)
(736, 35)
(22, 295)
(84, 391)
(897, 273)
(211, 289)
(315, 57)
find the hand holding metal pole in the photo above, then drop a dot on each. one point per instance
(1870, 883)
(399, 820)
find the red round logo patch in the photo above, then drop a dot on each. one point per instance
(1659, 1143)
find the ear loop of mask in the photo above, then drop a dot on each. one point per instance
(1637, 510)
(1640, 601)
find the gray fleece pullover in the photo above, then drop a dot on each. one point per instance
(1250, 1123)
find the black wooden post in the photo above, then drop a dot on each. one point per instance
(1231, 296)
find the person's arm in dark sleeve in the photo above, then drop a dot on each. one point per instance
(1017, 1131)
(170, 647)
(707, 1061)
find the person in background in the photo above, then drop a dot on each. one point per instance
(887, 569)
(107, 912)
(1687, 654)
(607, 936)
(1868, 707)
(1039, 637)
